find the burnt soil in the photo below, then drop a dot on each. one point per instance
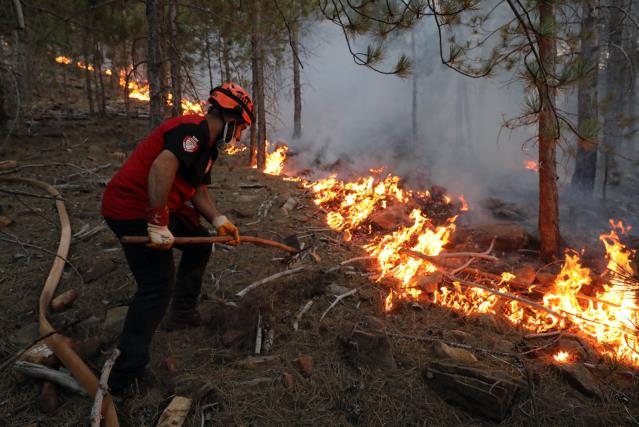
(339, 391)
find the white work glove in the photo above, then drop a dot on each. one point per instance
(157, 220)
(225, 227)
(160, 237)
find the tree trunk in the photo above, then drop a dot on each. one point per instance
(548, 139)
(297, 88)
(154, 64)
(226, 60)
(208, 53)
(583, 179)
(261, 112)
(254, 67)
(98, 70)
(614, 88)
(176, 80)
(414, 93)
(87, 73)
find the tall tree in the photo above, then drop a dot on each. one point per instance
(615, 85)
(154, 61)
(175, 59)
(260, 95)
(297, 85)
(548, 134)
(583, 179)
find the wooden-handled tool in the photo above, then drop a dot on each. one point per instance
(140, 240)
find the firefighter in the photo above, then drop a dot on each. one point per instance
(161, 192)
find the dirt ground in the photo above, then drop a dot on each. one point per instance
(339, 390)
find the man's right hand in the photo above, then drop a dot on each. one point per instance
(160, 237)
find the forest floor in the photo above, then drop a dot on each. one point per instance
(382, 383)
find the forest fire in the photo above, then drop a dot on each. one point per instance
(609, 318)
(275, 160)
(531, 165)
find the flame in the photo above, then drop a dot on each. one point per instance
(562, 357)
(531, 165)
(235, 149)
(62, 60)
(464, 203)
(275, 160)
(610, 317)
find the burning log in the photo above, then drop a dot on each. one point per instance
(486, 394)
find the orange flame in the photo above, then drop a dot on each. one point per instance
(275, 160)
(609, 317)
(562, 357)
(531, 165)
(62, 60)
(464, 203)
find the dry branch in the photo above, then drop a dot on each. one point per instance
(486, 288)
(269, 279)
(41, 372)
(338, 299)
(300, 314)
(103, 389)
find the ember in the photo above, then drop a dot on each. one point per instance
(562, 357)
(531, 165)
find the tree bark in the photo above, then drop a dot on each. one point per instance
(414, 93)
(261, 112)
(176, 80)
(297, 87)
(583, 179)
(100, 78)
(154, 64)
(87, 74)
(548, 139)
(255, 83)
(226, 60)
(615, 86)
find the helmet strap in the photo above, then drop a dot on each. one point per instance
(228, 134)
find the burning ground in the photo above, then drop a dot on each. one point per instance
(420, 333)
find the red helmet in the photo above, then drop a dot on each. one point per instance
(231, 96)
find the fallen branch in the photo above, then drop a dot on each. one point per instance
(482, 255)
(359, 258)
(467, 346)
(140, 240)
(258, 334)
(338, 299)
(486, 288)
(275, 276)
(103, 389)
(27, 194)
(300, 314)
(41, 372)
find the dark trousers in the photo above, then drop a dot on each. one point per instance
(154, 272)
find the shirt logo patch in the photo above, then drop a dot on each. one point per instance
(190, 144)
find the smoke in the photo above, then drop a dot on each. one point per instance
(357, 116)
(354, 114)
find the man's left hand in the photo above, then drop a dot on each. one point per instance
(225, 227)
